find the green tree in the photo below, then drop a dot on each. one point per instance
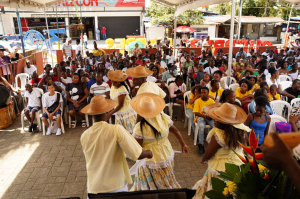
(163, 14)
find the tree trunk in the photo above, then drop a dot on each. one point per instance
(265, 13)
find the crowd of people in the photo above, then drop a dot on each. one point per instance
(135, 88)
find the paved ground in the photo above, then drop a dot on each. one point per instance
(37, 166)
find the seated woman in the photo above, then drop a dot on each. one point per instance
(228, 131)
(244, 94)
(16, 96)
(77, 94)
(261, 92)
(260, 120)
(195, 94)
(274, 79)
(252, 79)
(229, 97)
(284, 70)
(177, 91)
(155, 77)
(215, 92)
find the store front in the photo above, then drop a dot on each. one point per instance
(88, 27)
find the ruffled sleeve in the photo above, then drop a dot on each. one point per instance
(218, 134)
(117, 92)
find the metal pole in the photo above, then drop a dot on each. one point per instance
(81, 32)
(288, 24)
(20, 31)
(174, 40)
(68, 19)
(239, 22)
(57, 29)
(231, 41)
(50, 46)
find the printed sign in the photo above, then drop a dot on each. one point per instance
(103, 3)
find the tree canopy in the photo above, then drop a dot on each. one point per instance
(163, 14)
(259, 8)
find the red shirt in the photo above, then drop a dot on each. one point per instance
(31, 82)
(103, 30)
(55, 79)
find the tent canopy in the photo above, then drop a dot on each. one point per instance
(32, 5)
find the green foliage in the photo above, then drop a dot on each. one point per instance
(162, 14)
(259, 8)
(215, 194)
(218, 185)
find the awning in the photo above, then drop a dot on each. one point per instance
(218, 19)
(32, 5)
(259, 20)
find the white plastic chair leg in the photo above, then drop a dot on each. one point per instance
(189, 127)
(110, 120)
(38, 119)
(87, 120)
(44, 128)
(22, 119)
(171, 111)
(196, 133)
(62, 126)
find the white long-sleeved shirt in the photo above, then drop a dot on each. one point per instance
(173, 88)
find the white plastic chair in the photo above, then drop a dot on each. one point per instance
(284, 78)
(174, 104)
(61, 123)
(172, 79)
(24, 78)
(295, 102)
(86, 119)
(285, 84)
(278, 106)
(187, 119)
(234, 87)
(231, 81)
(197, 129)
(275, 118)
(38, 114)
(238, 101)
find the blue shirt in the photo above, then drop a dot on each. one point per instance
(98, 32)
(91, 82)
(238, 54)
(252, 106)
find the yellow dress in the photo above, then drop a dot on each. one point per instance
(157, 172)
(217, 162)
(255, 86)
(126, 116)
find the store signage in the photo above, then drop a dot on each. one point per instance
(53, 15)
(102, 3)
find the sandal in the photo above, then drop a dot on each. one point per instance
(83, 123)
(73, 124)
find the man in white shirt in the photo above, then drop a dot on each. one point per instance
(211, 69)
(85, 40)
(33, 105)
(171, 57)
(78, 48)
(100, 87)
(162, 63)
(67, 48)
(205, 44)
(200, 42)
(29, 69)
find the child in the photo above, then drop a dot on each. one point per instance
(100, 87)
(33, 104)
(264, 85)
(51, 105)
(68, 71)
(259, 121)
(206, 81)
(253, 80)
(64, 79)
(273, 95)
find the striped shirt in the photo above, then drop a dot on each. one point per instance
(100, 89)
(68, 50)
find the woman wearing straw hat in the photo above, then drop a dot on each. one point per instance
(104, 146)
(228, 131)
(119, 92)
(152, 134)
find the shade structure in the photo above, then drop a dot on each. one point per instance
(184, 29)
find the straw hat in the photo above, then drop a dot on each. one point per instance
(226, 113)
(158, 38)
(116, 76)
(148, 105)
(99, 105)
(138, 72)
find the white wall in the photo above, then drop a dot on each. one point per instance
(211, 29)
(153, 32)
(8, 24)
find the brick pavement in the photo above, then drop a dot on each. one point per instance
(37, 166)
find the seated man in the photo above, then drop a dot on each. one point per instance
(170, 73)
(47, 70)
(104, 146)
(201, 118)
(293, 91)
(29, 69)
(33, 104)
(35, 80)
(100, 87)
